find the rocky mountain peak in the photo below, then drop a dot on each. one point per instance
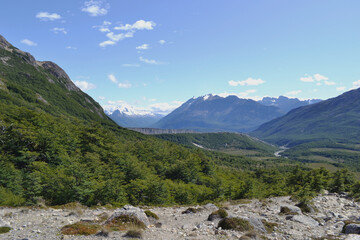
(4, 43)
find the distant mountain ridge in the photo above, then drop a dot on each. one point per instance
(335, 119)
(213, 113)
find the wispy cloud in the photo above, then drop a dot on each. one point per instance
(143, 47)
(162, 42)
(84, 85)
(124, 85)
(95, 8)
(248, 82)
(244, 94)
(138, 25)
(104, 27)
(131, 65)
(150, 61)
(340, 88)
(106, 43)
(128, 31)
(318, 79)
(71, 47)
(112, 78)
(28, 42)
(57, 30)
(45, 16)
(101, 98)
(356, 84)
(293, 93)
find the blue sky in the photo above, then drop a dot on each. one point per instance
(155, 54)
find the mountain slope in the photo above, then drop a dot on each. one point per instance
(42, 85)
(336, 118)
(213, 113)
(286, 104)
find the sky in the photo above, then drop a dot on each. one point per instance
(157, 54)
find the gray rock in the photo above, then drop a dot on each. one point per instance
(211, 206)
(304, 220)
(352, 229)
(353, 237)
(290, 209)
(131, 211)
(257, 224)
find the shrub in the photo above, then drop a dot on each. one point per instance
(7, 198)
(4, 230)
(191, 210)
(80, 228)
(151, 214)
(124, 222)
(133, 233)
(221, 213)
(234, 223)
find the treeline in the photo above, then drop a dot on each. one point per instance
(62, 160)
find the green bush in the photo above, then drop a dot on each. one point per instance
(4, 230)
(237, 224)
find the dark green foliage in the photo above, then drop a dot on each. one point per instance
(234, 223)
(151, 214)
(4, 230)
(355, 190)
(221, 213)
(133, 234)
(192, 210)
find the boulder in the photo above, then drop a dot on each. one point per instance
(290, 210)
(304, 220)
(131, 211)
(211, 206)
(352, 228)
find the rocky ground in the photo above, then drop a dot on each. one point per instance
(326, 221)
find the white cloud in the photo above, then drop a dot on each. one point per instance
(150, 61)
(138, 25)
(356, 84)
(124, 85)
(340, 88)
(101, 98)
(162, 42)
(131, 65)
(45, 16)
(240, 94)
(129, 29)
(293, 93)
(319, 77)
(84, 86)
(28, 42)
(143, 47)
(106, 43)
(95, 8)
(248, 82)
(307, 79)
(57, 30)
(329, 83)
(112, 78)
(71, 47)
(164, 108)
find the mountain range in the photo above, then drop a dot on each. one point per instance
(335, 119)
(213, 113)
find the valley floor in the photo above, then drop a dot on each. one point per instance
(327, 221)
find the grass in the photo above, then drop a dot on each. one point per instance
(269, 226)
(4, 230)
(237, 224)
(81, 228)
(151, 214)
(192, 210)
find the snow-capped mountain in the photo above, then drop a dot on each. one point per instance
(129, 116)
